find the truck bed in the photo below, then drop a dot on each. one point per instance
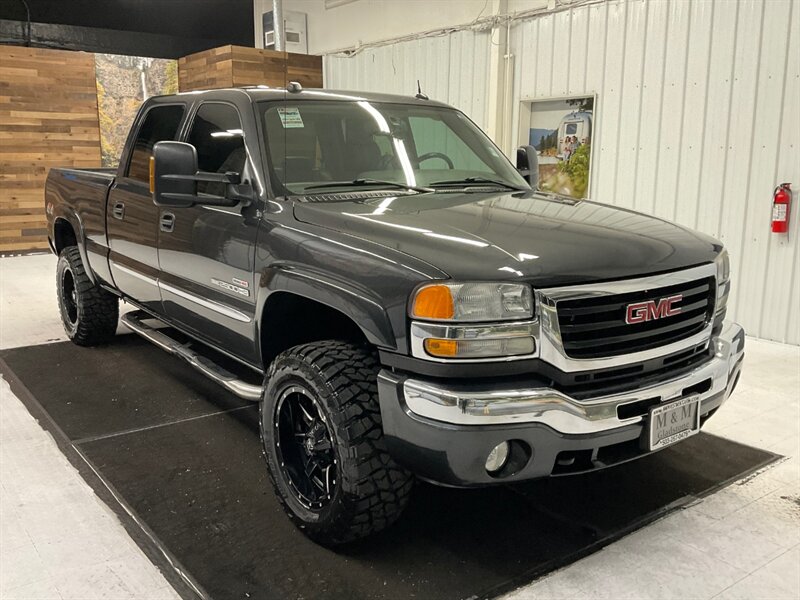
(78, 197)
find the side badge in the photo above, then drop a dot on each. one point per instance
(230, 287)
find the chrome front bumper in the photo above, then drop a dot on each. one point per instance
(567, 415)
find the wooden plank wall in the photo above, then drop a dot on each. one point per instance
(239, 66)
(48, 117)
(211, 69)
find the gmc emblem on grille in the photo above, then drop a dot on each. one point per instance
(651, 310)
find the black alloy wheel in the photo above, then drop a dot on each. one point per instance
(323, 441)
(70, 296)
(304, 448)
(89, 313)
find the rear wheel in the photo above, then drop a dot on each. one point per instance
(89, 312)
(323, 439)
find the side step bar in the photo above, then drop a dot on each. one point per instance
(134, 322)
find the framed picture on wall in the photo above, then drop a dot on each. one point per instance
(561, 131)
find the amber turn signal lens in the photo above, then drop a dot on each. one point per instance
(152, 174)
(433, 302)
(436, 347)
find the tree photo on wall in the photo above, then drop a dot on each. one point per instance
(123, 83)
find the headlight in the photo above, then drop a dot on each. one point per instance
(471, 302)
(723, 263)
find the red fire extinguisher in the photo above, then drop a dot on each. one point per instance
(781, 200)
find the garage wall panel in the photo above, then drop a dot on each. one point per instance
(696, 121)
(739, 153)
(48, 118)
(711, 133)
(780, 273)
(684, 142)
(630, 104)
(609, 102)
(651, 114)
(452, 68)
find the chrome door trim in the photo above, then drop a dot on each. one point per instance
(551, 348)
(133, 273)
(209, 304)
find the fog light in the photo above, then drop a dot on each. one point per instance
(497, 457)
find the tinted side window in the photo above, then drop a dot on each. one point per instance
(160, 123)
(217, 135)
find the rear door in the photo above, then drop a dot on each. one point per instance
(207, 253)
(132, 217)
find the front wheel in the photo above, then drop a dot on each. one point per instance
(323, 440)
(89, 312)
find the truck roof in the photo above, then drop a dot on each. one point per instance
(263, 92)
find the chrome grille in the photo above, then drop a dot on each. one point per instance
(596, 327)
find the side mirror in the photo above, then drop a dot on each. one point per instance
(174, 179)
(171, 159)
(528, 165)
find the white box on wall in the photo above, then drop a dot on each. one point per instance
(296, 31)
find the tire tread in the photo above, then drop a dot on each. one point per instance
(382, 488)
(98, 310)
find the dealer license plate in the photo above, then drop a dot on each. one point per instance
(672, 422)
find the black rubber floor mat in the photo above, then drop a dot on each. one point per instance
(182, 461)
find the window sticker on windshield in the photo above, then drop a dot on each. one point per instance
(290, 118)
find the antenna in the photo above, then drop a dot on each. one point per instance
(419, 93)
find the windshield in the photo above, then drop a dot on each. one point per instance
(348, 145)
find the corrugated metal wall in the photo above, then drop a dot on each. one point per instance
(697, 118)
(453, 69)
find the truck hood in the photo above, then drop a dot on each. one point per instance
(542, 239)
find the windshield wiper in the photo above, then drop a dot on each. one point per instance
(471, 180)
(361, 182)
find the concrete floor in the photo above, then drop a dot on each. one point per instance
(58, 540)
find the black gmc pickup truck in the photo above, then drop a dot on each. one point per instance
(400, 298)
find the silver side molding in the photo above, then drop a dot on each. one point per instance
(132, 273)
(215, 306)
(135, 322)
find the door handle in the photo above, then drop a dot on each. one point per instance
(118, 211)
(167, 222)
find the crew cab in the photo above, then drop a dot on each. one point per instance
(402, 300)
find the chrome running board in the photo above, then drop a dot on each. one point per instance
(135, 322)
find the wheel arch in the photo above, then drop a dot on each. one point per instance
(297, 308)
(63, 234)
(68, 231)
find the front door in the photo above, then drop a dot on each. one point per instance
(132, 217)
(207, 253)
